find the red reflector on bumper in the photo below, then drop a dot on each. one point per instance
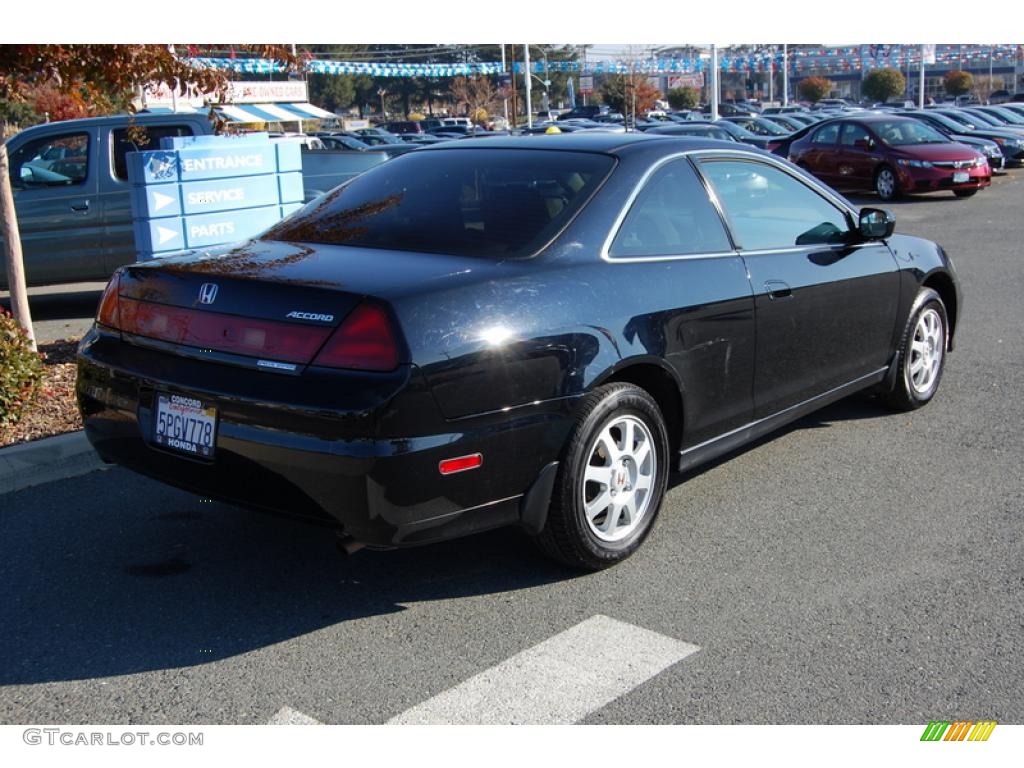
(461, 463)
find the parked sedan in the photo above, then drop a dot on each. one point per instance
(760, 126)
(999, 147)
(705, 130)
(512, 331)
(892, 155)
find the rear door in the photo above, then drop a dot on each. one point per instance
(856, 157)
(825, 303)
(821, 158)
(55, 193)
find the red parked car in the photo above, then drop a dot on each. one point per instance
(891, 155)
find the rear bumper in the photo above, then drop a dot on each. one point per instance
(287, 445)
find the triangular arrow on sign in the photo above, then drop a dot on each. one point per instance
(166, 234)
(161, 200)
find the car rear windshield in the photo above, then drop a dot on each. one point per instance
(493, 203)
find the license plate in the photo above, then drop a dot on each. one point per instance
(960, 177)
(185, 424)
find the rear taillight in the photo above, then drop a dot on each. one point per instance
(108, 314)
(215, 332)
(365, 341)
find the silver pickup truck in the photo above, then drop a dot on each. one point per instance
(72, 194)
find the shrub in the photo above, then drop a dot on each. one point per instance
(21, 370)
(686, 97)
(884, 84)
(814, 88)
(957, 82)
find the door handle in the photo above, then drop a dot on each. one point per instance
(82, 207)
(776, 289)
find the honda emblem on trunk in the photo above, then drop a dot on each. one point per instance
(207, 293)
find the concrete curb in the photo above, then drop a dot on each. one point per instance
(46, 460)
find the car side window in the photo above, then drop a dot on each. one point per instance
(672, 216)
(52, 161)
(769, 209)
(828, 134)
(140, 139)
(852, 133)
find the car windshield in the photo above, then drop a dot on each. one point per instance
(956, 117)
(899, 133)
(945, 122)
(736, 130)
(492, 203)
(1006, 114)
(982, 119)
(770, 128)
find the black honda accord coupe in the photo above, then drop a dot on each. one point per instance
(526, 331)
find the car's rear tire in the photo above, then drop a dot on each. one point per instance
(965, 192)
(922, 354)
(611, 479)
(886, 184)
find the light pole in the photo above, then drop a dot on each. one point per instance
(546, 82)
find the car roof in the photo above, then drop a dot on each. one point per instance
(609, 143)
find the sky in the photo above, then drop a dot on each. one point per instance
(607, 26)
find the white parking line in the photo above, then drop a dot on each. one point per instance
(558, 681)
(289, 716)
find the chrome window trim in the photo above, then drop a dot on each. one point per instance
(726, 154)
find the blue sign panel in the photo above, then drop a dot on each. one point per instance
(227, 226)
(156, 235)
(156, 167)
(227, 194)
(156, 201)
(219, 162)
(289, 156)
(201, 191)
(290, 187)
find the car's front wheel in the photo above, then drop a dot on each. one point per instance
(885, 183)
(611, 480)
(922, 353)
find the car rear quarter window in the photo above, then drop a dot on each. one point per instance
(671, 216)
(768, 209)
(827, 134)
(492, 203)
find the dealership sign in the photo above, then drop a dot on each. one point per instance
(695, 80)
(238, 92)
(200, 191)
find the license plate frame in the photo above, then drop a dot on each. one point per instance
(961, 177)
(185, 425)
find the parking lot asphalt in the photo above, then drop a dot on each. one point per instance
(61, 311)
(859, 566)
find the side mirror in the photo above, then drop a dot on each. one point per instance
(865, 144)
(876, 224)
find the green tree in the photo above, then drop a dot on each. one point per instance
(884, 84)
(686, 97)
(814, 88)
(629, 93)
(957, 82)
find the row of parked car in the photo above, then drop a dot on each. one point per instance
(888, 149)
